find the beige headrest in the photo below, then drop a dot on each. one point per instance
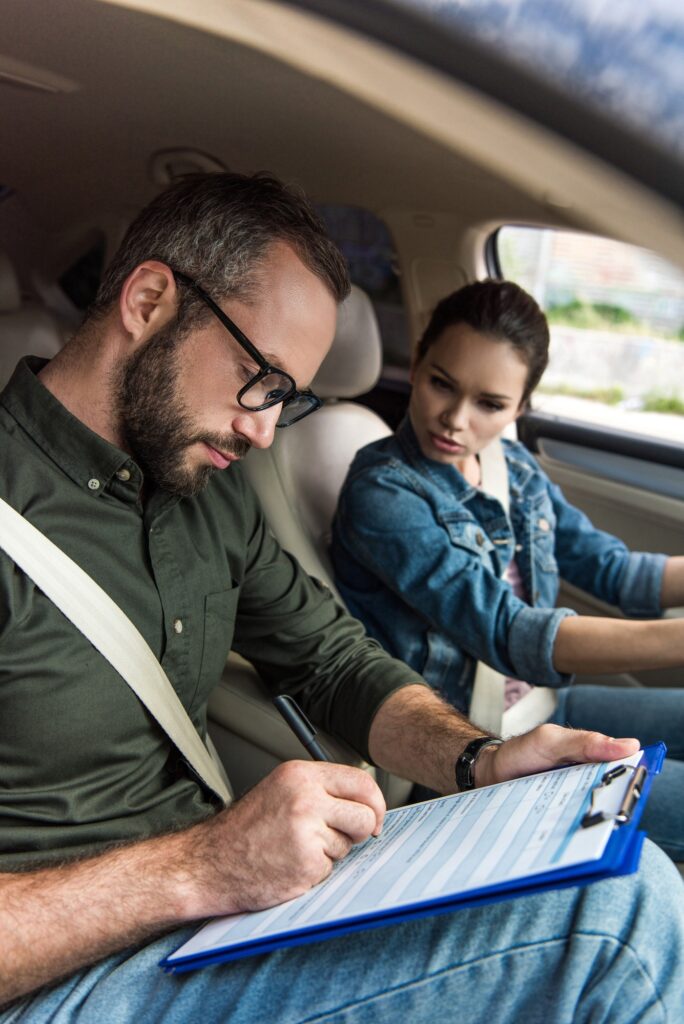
(10, 296)
(354, 361)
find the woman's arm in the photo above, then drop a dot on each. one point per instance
(672, 590)
(602, 565)
(596, 645)
(389, 529)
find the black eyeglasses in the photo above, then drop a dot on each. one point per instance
(271, 385)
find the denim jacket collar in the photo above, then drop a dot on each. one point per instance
(446, 477)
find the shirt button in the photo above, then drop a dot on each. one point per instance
(178, 625)
(543, 524)
(94, 484)
(518, 547)
(479, 537)
(123, 474)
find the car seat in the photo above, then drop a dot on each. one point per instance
(26, 328)
(299, 478)
(298, 481)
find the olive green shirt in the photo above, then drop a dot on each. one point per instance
(82, 763)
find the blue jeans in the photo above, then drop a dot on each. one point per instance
(610, 953)
(650, 715)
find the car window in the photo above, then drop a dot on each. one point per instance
(373, 266)
(622, 59)
(616, 314)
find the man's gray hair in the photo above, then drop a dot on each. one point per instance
(216, 228)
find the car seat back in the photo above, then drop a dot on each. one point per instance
(26, 328)
(299, 478)
(298, 481)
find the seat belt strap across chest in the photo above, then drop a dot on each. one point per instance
(487, 701)
(112, 633)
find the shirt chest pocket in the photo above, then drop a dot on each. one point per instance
(220, 611)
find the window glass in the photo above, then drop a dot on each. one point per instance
(616, 314)
(373, 266)
(623, 59)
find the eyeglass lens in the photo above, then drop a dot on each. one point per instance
(296, 409)
(267, 390)
(273, 388)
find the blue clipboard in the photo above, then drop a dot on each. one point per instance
(621, 857)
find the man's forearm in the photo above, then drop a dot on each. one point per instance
(56, 920)
(272, 845)
(417, 735)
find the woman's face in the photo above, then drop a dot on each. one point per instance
(466, 389)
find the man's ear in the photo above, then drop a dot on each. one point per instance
(148, 299)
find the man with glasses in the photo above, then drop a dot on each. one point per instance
(122, 450)
(270, 386)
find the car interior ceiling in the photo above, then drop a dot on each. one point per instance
(113, 87)
(287, 92)
(440, 178)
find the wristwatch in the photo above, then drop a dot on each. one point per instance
(466, 762)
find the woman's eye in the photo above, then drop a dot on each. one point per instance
(491, 406)
(440, 383)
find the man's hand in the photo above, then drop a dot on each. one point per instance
(281, 838)
(273, 844)
(547, 746)
(418, 736)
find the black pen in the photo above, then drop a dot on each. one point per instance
(300, 725)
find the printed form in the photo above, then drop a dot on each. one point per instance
(443, 847)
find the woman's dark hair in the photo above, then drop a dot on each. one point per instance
(499, 308)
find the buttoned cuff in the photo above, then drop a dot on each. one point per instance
(531, 640)
(640, 587)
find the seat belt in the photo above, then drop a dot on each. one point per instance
(113, 634)
(487, 699)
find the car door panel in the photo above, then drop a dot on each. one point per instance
(631, 487)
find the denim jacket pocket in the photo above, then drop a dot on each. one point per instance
(468, 534)
(543, 533)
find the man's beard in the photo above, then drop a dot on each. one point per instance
(156, 426)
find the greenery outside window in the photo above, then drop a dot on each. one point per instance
(616, 314)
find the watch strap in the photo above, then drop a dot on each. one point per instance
(465, 764)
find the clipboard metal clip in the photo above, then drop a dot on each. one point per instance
(629, 801)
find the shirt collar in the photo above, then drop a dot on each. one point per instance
(444, 475)
(83, 455)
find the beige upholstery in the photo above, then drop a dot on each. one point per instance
(300, 477)
(298, 481)
(25, 328)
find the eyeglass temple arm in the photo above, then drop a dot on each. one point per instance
(224, 318)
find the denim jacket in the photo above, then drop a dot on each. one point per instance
(419, 553)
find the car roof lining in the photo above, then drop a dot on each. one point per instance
(235, 80)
